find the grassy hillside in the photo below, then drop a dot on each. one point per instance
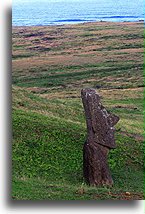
(51, 64)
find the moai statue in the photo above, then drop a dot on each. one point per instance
(100, 139)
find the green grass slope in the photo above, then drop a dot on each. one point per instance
(51, 64)
(47, 156)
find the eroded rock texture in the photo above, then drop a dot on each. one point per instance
(100, 139)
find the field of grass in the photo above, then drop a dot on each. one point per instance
(51, 64)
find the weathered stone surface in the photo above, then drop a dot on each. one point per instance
(100, 138)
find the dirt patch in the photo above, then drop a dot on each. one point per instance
(127, 108)
(132, 135)
(111, 196)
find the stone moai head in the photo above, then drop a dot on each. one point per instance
(100, 122)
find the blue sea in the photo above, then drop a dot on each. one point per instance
(60, 12)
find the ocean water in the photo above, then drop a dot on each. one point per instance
(60, 12)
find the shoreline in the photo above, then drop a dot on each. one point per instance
(57, 25)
